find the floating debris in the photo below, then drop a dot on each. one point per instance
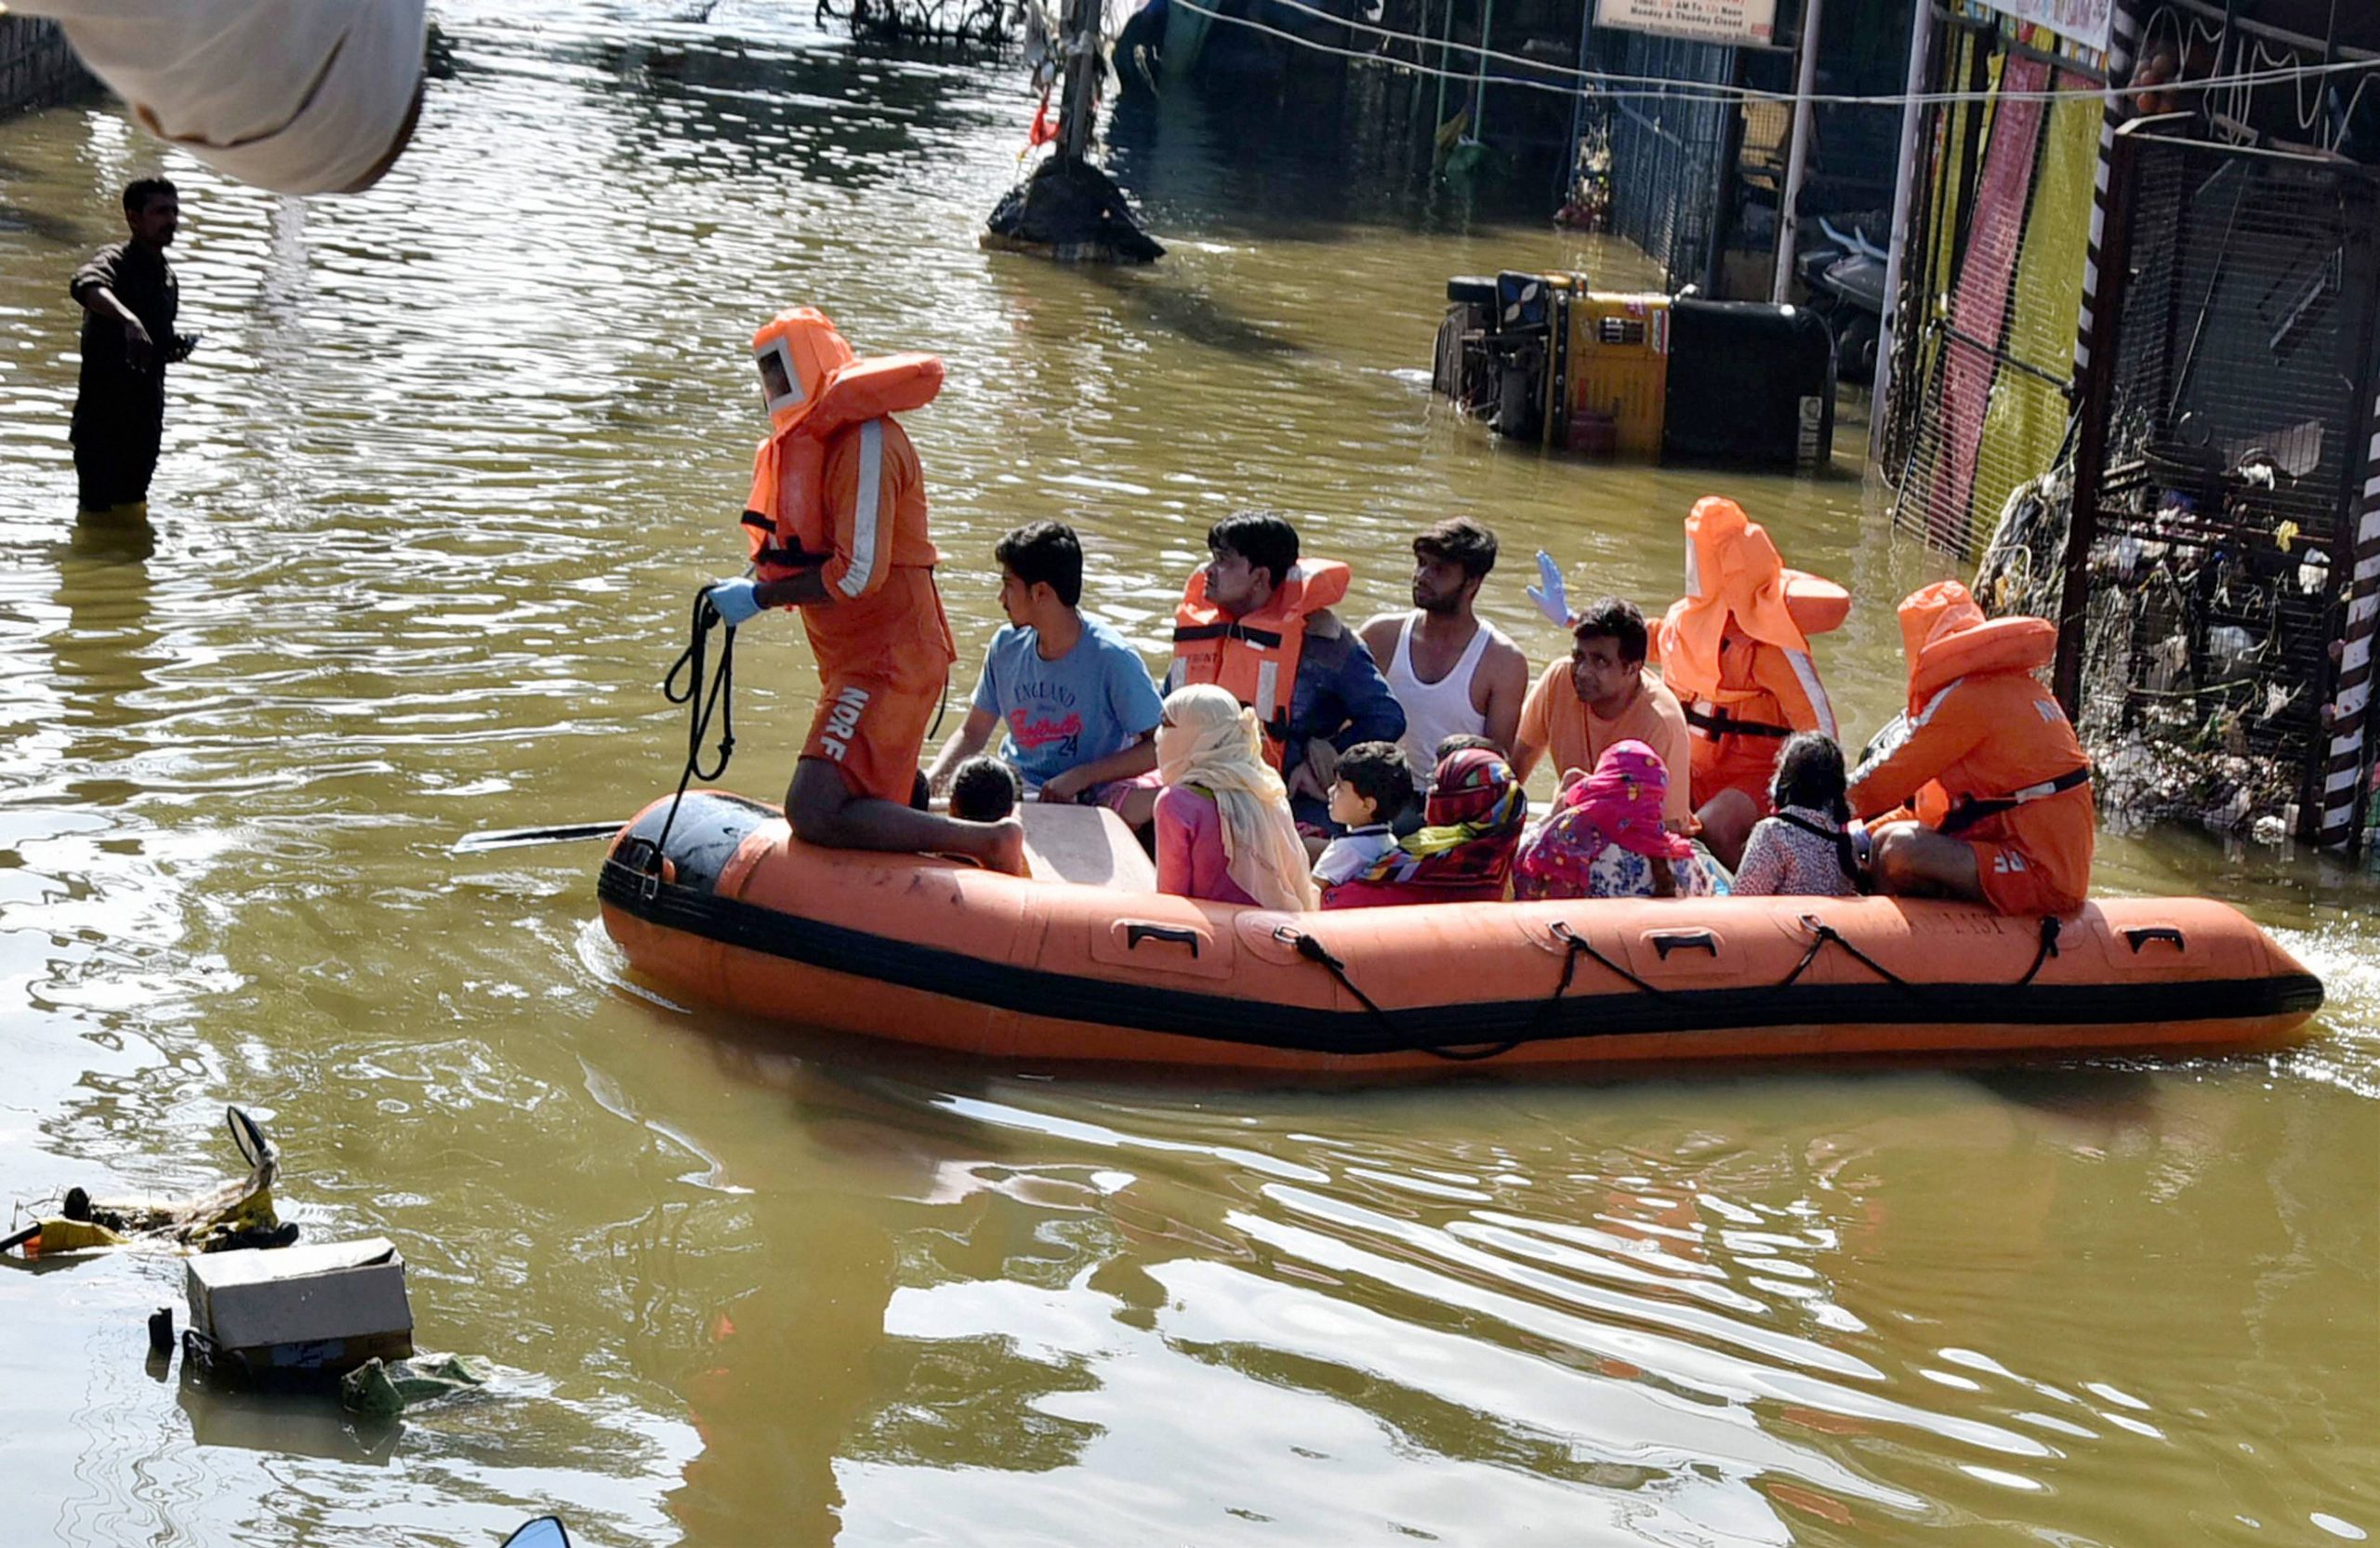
(236, 1214)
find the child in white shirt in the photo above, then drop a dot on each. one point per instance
(1374, 784)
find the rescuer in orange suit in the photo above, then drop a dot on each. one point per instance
(2002, 791)
(837, 524)
(1735, 651)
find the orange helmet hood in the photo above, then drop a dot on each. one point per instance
(1733, 573)
(813, 380)
(1945, 636)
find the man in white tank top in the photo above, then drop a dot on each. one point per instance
(1453, 673)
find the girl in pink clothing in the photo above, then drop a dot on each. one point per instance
(1223, 828)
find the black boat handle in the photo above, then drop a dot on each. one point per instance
(2164, 933)
(1665, 942)
(1172, 934)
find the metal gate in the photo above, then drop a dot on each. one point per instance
(2222, 460)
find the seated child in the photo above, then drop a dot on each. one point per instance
(985, 790)
(1375, 782)
(1606, 838)
(1802, 850)
(1224, 828)
(1476, 812)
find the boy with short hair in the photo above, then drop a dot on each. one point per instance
(1375, 784)
(985, 790)
(1076, 703)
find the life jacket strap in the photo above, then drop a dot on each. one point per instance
(1845, 856)
(1971, 810)
(1718, 722)
(1270, 639)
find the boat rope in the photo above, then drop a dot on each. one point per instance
(1580, 947)
(1822, 935)
(694, 665)
(2047, 950)
(1574, 947)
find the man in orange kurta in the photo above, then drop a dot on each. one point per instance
(1999, 783)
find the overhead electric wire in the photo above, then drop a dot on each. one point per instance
(1649, 87)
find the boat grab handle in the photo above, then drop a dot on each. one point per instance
(1138, 930)
(2164, 933)
(1666, 941)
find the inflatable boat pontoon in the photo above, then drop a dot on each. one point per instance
(1086, 961)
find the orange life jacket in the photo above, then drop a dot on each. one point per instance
(2024, 775)
(815, 388)
(1255, 654)
(1736, 650)
(1945, 636)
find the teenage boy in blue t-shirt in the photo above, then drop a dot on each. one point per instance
(1077, 706)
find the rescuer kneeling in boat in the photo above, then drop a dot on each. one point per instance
(836, 523)
(1735, 651)
(2001, 791)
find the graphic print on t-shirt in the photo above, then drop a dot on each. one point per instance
(1047, 727)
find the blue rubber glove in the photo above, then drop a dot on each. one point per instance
(1549, 595)
(736, 601)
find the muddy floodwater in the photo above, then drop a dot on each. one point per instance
(449, 462)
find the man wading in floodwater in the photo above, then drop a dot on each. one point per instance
(837, 523)
(129, 298)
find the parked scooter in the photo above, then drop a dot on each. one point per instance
(1845, 276)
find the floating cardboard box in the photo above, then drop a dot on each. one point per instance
(312, 1312)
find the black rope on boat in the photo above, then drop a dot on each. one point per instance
(1314, 951)
(692, 664)
(1580, 947)
(1822, 935)
(2048, 949)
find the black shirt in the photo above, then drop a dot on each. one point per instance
(112, 387)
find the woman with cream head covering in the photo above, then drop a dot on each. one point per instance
(1224, 828)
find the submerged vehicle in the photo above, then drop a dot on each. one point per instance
(1544, 358)
(1086, 961)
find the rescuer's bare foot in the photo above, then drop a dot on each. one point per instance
(1006, 849)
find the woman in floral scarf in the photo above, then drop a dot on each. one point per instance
(1606, 839)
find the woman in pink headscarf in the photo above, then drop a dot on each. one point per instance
(1606, 839)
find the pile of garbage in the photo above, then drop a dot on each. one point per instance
(2141, 783)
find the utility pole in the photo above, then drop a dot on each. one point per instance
(1912, 117)
(1067, 207)
(1797, 158)
(1080, 109)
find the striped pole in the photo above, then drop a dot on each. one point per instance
(2089, 388)
(2342, 771)
(2124, 36)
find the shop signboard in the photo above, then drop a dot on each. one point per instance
(1711, 20)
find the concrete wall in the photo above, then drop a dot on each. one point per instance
(36, 66)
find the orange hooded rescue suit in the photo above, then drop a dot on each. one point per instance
(835, 488)
(1254, 655)
(1735, 651)
(2009, 776)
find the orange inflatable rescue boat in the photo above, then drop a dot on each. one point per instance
(1086, 961)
